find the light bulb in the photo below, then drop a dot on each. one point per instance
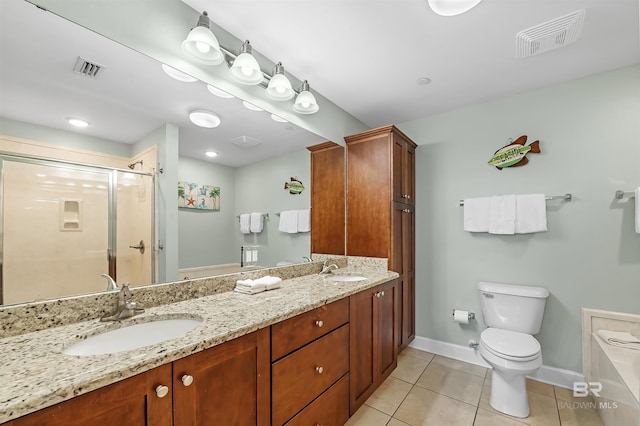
(280, 89)
(247, 71)
(306, 104)
(202, 47)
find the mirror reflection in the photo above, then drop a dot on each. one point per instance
(53, 70)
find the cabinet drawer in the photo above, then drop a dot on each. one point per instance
(299, 378)
(331, 408)
(291, 334)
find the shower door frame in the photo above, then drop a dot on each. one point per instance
(112, 222)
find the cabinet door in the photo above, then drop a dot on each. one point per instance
(131, 402)
(403, 174)
(363, 327)
(408, 292)
(228, 384)
(386, 312)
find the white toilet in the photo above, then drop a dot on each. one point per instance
(513, 313)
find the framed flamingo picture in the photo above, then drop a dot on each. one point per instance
(201, 197)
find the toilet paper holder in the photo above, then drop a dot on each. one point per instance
(472, 315)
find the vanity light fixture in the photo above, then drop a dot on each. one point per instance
(245, 68)
(452, 7)
(279, 88)
(278, 119)
(204, 118)
(250, 106)
(202, 44)
(220, 93)
(178, 75)
(77, 122)
(211, 154)
(305, 102)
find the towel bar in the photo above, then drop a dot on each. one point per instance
(265, 215)
(566, 197)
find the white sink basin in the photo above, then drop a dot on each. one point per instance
(345, 278)
(132, 337)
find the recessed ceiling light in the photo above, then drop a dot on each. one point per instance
(251, 106)
(178, 75)
(423, 81)
(278, 118)
(77, 122)
(218, 92)
(211, 154)
(203, 118)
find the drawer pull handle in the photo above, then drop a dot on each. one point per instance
(319, 323)
(162, 391)
(319, 370)
(186, 380)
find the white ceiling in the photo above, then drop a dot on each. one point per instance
(363, 55)
(366, 55)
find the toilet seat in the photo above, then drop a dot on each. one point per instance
(510, 345)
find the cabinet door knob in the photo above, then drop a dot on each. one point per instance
(319, 370)
(319, 323)
(162, 391)
(382, 293)
(186, 380)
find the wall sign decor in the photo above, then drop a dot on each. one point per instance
(295, 187)
(202, 197)
(514, 154)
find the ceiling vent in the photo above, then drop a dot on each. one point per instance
(245, 142)
(87, 68)
(550, 35)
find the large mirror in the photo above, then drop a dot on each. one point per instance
(129, 101)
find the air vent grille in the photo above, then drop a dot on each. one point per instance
(245, 142)
(87, 68)
(550, 35)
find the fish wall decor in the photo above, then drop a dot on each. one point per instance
(295, 187)
(514, 154)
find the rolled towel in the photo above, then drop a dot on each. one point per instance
(476, 214)
(256, 222)
(271, 283)
(502, 215)
(620, 338)
(245, 223)
(531, 213)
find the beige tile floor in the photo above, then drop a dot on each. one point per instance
(429, 389)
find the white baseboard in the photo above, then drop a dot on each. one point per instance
(551, 375)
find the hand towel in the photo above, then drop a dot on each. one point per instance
(256, 222)
(249, 287)
(620, 338)
(245, 223)
(502, 214)
(271, 283)
(637, 193)
(288, 221)
(304, 220)
(531, 213)
(476, 214)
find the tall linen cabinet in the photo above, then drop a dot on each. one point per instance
(380, 211)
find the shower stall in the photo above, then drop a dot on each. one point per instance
(64, 224)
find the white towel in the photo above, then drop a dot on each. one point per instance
(531, 213)
(637, 193)
(502, 214)
(620, 338)
(271, 283)
(245, 223)
(256, 222)
(288, 221)
(304, 220)
(249, 287)
(476, 214)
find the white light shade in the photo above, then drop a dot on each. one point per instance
(452, 7)
(279, 88)
(221, 93)
(250, 106)
(245, 68)
(178, 75)
(204, 118)
(202, 44)
(278, 118)
(211, 154)
(305, 102)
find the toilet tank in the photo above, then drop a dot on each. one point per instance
(512, 307)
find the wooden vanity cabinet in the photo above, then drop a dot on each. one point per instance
(373, 340)
(135, 401)
(310, 367)
(381, 210)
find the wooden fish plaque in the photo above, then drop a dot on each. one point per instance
(294, 186)
(514, 154)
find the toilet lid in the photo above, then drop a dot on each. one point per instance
(510, 343)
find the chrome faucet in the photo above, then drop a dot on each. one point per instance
(125, 307)
(326, 267)
(111, 283)
(306, 258)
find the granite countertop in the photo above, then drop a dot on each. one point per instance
(36, 374)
